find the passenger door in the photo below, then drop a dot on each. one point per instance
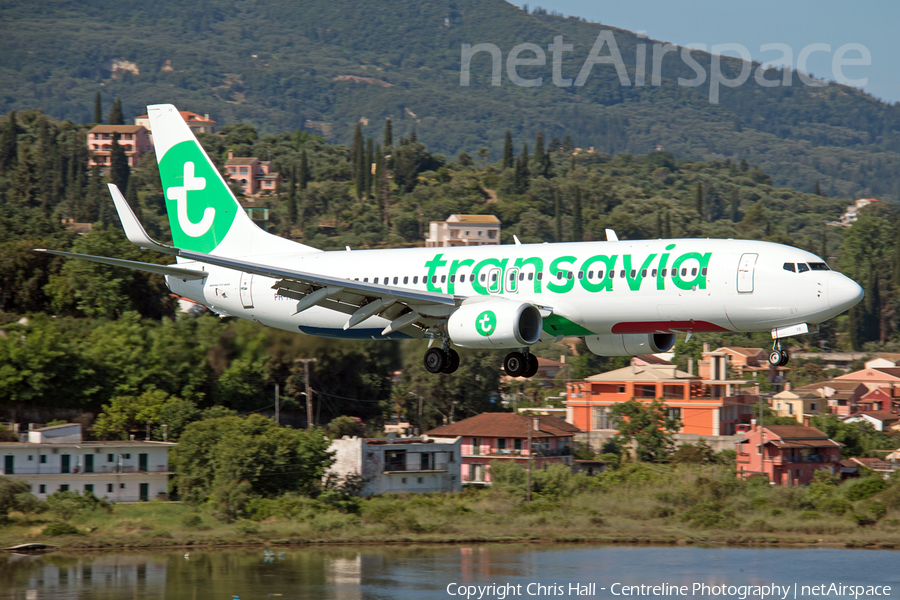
(746, 271)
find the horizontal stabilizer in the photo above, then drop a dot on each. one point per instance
(173, 270)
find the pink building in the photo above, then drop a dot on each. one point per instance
(253, 175)
(787, 454)
(134, 139)
(490, 437)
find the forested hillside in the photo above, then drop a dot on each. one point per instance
(283, 65)
(102, 339)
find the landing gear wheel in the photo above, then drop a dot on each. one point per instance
(435, 360)
(515, 364)
(775, 357)
(452, 361)
(532, 367)
(785, 357)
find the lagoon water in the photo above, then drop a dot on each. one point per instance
(415, 572)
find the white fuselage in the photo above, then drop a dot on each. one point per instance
(719, 285)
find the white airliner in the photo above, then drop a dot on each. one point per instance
(623, 297)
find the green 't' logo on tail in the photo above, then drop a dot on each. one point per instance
(200, 207)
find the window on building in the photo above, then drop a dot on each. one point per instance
(426, 461)
(43, 459)
(89, 487)
(501, 444)
(492, 234)
(602, 418)
(517, 444)
(395, 460)
(813, 406)
(674, 412)
(620, 389)
(110, 458)
(244, 171)
(42, 489)
(109, 488)
(64, 487)
(121, 486)
(403, 480)
(476, 445)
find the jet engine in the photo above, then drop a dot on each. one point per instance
(629, 344)
(495, 323)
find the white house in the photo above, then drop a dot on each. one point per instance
(56, 458)
(881, 420)
(400, 464)
(464, 230)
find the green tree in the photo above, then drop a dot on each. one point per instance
(388, 134)
(577, 231)
(539, 150)
(98, 110)
(648, 425)
(125, 414)
(9, 142)
(14, 494)
(304, 173)
(118, 165)
(116, 117)
(699, 198)
(508, 153)
(344, 425)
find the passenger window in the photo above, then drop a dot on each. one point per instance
(512, 276)
(416, 279)
(443, 279)
(531, 276)
(633, 273)
(453, 279)
(819, 266)
(493, 277)
(375, 280)
(790, 267)
(559, 274)
(643, 272)
(482, 277)
(703, 271)
(684, 272)
(590, 274)
(621, 274)
(569, 275)
(802, 268)
(693, 271)
(387, 281)
(599, 274)
(357, 279)
(365, 280)
(396, 279)
(653, 273)
(540, 276)
(471, 277)
(405, 280)
(521, 276)
(580, 274)
(434, 279)
(664, 272)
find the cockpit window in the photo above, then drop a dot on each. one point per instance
(802, 267)
(819, 267)
(789, 267)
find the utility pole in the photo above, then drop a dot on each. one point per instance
(531, 423)
(277, 406)
(309, 412)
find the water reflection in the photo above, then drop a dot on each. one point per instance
(407, 572)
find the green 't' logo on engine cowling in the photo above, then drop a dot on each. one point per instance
(200, 207)
(486, 323)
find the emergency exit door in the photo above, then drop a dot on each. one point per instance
(746, 270)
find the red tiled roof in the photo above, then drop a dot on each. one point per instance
(796, 432)
(240, 161)
(892, 371)
(652, 360)
(881, 415)
(116, 128)
(833, 384)
(505, 425)
(742, 351)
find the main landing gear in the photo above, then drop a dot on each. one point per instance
(778, 357)
(520, 364)
(441, 360)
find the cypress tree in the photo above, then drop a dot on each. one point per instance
(9, 149)
(355, 150)
(131, 194)
(379, 166)
(92, 196)
(388, 134)
(25, 182)
(507, 152)
(385, 187)
(700, 198)
(413, 137)
(659, 225)
(539, 149)
(817, 190)
(668, 231)
(292, 196)
(873, 308)
(735, 206)
(98, 110)
(370, 158)
(525, 163)
(115, 113)
(557, 211)
(118, 165)
(577, 231)
(304, 170)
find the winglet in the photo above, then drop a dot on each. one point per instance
(516, 240)
(133, 229)
(611, 236)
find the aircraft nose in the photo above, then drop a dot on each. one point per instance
(843, 292)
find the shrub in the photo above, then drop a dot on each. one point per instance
(69, 503)
(865, 488)
(835, 506)
(61, 528)
(760, 525)
(709, 516)
(246, 527)
(809, 515)
(875, 508)
(230, 500)
(191, 520)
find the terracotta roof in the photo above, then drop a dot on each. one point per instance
(475, 219)
(188, 116)
(116, 128)
(833, 384)
(887, 356)
(505, 425)
(881, 415)
(241, 161)
(664, 372)
(892, 371)
(652, 360)
(742, 351)
(796, 432)
(803, 443)
(886, 374)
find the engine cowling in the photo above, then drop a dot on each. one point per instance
(629, 344)
(495, 323)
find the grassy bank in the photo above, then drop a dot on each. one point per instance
(636, 504)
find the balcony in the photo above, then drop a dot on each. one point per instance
(812, 458)
(101, 470)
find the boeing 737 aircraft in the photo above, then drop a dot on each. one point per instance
(623, 297)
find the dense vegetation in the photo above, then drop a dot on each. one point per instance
(105, 340)
(283, 65)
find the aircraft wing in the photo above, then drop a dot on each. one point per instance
(173, 270)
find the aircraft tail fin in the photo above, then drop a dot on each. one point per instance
(203, 213)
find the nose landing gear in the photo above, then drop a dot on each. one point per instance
(520, 364)
(778, 357)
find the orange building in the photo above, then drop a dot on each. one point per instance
(134, 140)
(787, 454)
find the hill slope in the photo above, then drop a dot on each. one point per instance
(281, 65)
